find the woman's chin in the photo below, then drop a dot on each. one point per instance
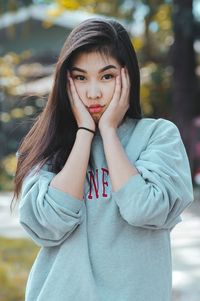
(96, 120)
(96, 117)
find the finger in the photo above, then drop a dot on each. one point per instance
(127, 76)
(69, 92)
(125, 87)
(124, 79)
(128, 82)
(74, 94)
(117, 91)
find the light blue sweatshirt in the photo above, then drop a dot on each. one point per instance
(110, 246)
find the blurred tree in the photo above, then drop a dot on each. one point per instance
(184, 85)
(169, 36)
(158, 30)
(13, 5)
(153, 56)
(119, 8)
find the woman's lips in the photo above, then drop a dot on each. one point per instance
(95, 109)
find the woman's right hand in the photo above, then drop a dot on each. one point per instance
(81, 114)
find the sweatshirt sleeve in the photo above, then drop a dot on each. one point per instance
(48, 214)
(156, 197)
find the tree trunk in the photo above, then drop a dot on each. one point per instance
(184, 87)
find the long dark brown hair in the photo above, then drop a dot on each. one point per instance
(52, 136)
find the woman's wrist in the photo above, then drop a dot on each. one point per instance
(84, 135)
(106, 132)
(86, 129)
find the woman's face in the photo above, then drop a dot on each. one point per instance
(94, 77)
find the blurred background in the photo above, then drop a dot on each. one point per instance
(166, 36)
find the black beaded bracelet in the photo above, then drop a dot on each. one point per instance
(86, 129)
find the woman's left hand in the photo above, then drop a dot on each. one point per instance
(118, 105)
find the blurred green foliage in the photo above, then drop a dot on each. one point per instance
(7, 171)
(13, 5)
(16, 259)
(16, 113)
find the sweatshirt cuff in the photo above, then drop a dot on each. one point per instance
(132, 186)
(63, 198)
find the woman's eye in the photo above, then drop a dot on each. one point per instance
(79, 77)
(108, 76)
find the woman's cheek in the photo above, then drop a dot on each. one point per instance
(110, 91)
(80, 91)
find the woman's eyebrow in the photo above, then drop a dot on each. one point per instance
(101, 70)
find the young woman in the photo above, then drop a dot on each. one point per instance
(101, 187)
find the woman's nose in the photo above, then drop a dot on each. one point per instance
(93, 91)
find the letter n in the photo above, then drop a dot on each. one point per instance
(92, 180)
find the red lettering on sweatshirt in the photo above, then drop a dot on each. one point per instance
(94, 183)
(104, 170)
